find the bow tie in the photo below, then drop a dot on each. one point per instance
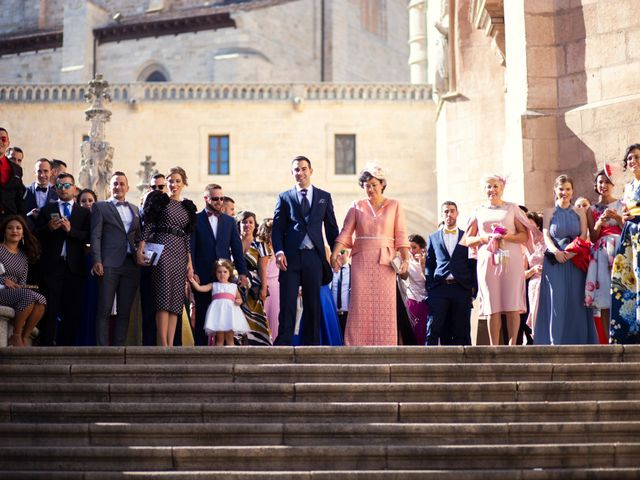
(121, 204)
(212, 213)
(41, 189)
(453, 230)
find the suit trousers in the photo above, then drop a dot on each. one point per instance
(64, 291)
(202, 299)
(449, 320)
(306, 271)
(120, 283)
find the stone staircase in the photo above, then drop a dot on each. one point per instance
(317, 413)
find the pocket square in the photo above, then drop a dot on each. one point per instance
(322, 200)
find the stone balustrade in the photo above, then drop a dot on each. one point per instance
(6, 324)
(290, 92)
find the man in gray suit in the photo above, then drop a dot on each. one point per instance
(115, 231)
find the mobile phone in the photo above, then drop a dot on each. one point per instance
(55, 216)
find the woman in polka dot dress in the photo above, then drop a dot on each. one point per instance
(17, 250)
(169, 221)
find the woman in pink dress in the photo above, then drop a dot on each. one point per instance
(379, 228)
(535, 259)
(497, 231)
(269, 273)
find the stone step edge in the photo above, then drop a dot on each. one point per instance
(134, 354)
(485, 474)
(575, 473)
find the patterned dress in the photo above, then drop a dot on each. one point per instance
(169, 276)
(625, 276)
(372, 308)
(598, 287)
(16, 267)
(252, 307)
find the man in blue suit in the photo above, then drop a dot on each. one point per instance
(39, 193)
(297, 240)
(451, 283)
(215, 237)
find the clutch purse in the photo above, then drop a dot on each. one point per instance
(396, 263)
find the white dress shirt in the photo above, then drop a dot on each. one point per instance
(306, 241)
(213, 221)
(41, 197)
(126, 215)
(450, 241)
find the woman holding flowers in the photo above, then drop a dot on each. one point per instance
(497, 232)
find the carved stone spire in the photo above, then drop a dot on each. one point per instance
(97, 153)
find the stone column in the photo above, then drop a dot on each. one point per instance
(80, 18)
(418, 40)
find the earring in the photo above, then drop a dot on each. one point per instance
(22, 241)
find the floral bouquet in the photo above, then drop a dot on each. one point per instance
(495, 246)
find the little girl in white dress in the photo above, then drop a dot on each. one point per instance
(224, 317)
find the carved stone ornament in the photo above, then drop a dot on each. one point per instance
(488, 15)
(97, 153)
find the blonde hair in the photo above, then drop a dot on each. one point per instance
(494, 177)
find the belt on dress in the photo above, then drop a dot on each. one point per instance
(178, 232)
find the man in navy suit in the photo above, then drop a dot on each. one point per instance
(63, 230)
(39, 193)
(297, 240)
(215, 237)
(451, 283)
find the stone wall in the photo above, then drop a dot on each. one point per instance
(471, 135)
(566, 102)
(266, 130)
(276, 43)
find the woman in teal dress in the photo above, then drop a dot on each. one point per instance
(625, 276)
(562, 316)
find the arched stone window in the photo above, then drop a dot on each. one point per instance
(153, 72)
(156, 76)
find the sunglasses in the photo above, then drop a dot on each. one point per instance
(66, 186)
(157, 187)
(216, 199)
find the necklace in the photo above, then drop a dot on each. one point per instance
(4, 244)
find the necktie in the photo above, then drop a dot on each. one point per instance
(304, 204)
(65, 210)
(339, 293)
(41, 189)
(454, 230)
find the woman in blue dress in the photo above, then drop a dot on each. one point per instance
(562, 316)
(625, 275)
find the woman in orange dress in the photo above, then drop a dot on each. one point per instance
(379, 227)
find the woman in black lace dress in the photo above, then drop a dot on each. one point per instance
(17, 250)
(169, 220)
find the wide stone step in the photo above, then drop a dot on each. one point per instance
(335, 412)
(312, 434)
(484, 474)
(289, 373)
(322, 392)
(308, 458)
(323, 355)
